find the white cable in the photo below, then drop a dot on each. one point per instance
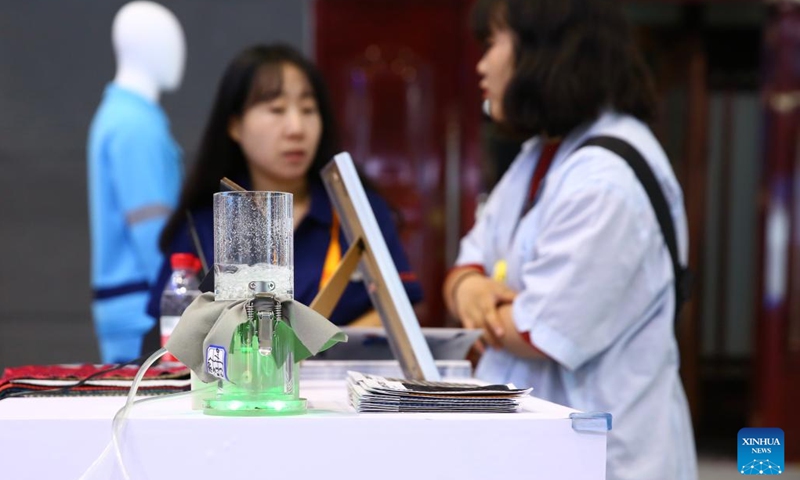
(96, 463)
(124, 411)
(121, 417)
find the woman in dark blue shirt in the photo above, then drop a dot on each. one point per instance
(272, 128)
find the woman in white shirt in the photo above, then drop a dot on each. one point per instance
(567, 270)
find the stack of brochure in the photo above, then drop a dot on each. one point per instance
(371, 393)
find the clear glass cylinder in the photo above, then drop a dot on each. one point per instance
(253, 241)
(253, 256)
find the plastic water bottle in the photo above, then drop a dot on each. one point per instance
(181, 290)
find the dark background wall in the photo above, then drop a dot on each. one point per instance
(55, 59)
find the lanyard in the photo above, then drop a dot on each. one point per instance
(333, 256)
(549, 151)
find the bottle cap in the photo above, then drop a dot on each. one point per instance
(184, 261)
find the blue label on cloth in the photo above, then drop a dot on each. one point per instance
(217, 361)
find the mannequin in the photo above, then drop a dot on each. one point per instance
(150, 49)
(134, 174)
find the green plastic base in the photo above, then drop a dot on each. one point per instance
(254, 408)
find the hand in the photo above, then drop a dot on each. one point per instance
(476, 299)
(513, 341)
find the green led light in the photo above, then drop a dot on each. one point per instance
(260, 384)
(254, 408)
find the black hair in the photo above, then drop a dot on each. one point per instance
(573, 58)
(254, 75)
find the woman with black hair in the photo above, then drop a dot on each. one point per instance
(272, 128)
(567, 270)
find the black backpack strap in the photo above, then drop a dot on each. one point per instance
(648, 180)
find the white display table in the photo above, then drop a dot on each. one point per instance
(59, 438)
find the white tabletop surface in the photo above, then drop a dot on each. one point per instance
(49, 438)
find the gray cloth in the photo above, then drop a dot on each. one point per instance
(207, 327)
